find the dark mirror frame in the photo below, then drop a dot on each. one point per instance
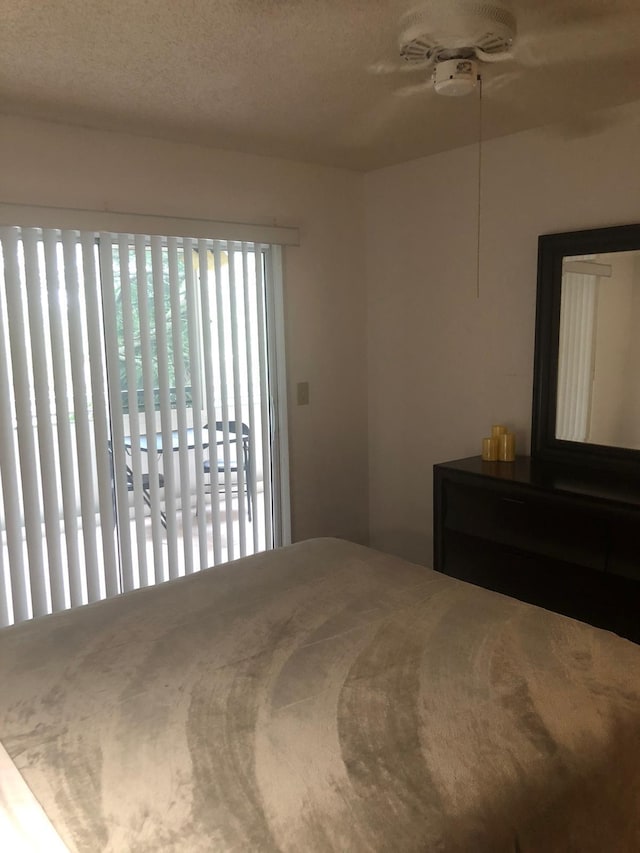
(552, 248)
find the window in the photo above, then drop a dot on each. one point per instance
(138, 443)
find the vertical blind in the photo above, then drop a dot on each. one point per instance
(575, 357)
(137, 418)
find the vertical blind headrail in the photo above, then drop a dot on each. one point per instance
(123, 222)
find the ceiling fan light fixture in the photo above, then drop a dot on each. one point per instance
(455, 77)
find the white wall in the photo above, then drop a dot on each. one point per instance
(50, 164)
(444, 364)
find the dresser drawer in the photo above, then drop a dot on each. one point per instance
(601, 599)
(624, 556)
(515, 518)
(562, 538)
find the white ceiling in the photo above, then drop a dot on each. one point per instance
(293, 77)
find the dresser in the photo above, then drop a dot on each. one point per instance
(545, 533)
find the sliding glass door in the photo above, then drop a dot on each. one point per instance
(138, 420)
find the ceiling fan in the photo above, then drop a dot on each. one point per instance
(462, 42)
(468, 46)
(453, 40)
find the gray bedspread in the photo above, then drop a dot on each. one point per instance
(325, 697)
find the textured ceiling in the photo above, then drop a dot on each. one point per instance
(293, 78)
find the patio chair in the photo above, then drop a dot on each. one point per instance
(146, 485)
(244, 443)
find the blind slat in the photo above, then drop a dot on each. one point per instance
(166, 427)
(237, 402)
(264, 399)
(246, 292)
(224, 397)
(117, 447)
(109, 571)
(207, 348)
(181, 402)
(134, 479)
(146, 357)
(85, 452)
(196, 396)
(6, 605)
(47, 458)
(20, 588)
(24, 425)
(56, 293)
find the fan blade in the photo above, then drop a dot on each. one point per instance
(493, 80)
(606, 35)
(493, 83)
(493, 58)
(399, 66)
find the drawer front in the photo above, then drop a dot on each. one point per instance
(592, 596)
(517, 519)
(624, 557)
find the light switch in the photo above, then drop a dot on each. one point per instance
(302, 393)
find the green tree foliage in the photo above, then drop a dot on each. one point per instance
(142, 288)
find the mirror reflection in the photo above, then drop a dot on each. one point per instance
(598, 397)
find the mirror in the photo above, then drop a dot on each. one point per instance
(587, 358)
(598, 394)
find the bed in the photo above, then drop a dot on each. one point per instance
(324, 697)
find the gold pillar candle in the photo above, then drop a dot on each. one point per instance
(507, 447)
(497, 430)
(490, 449)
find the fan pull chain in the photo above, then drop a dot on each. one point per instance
(479, 186)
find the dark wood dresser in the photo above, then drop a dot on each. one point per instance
(553, 535)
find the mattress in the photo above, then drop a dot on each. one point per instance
(324, 697)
